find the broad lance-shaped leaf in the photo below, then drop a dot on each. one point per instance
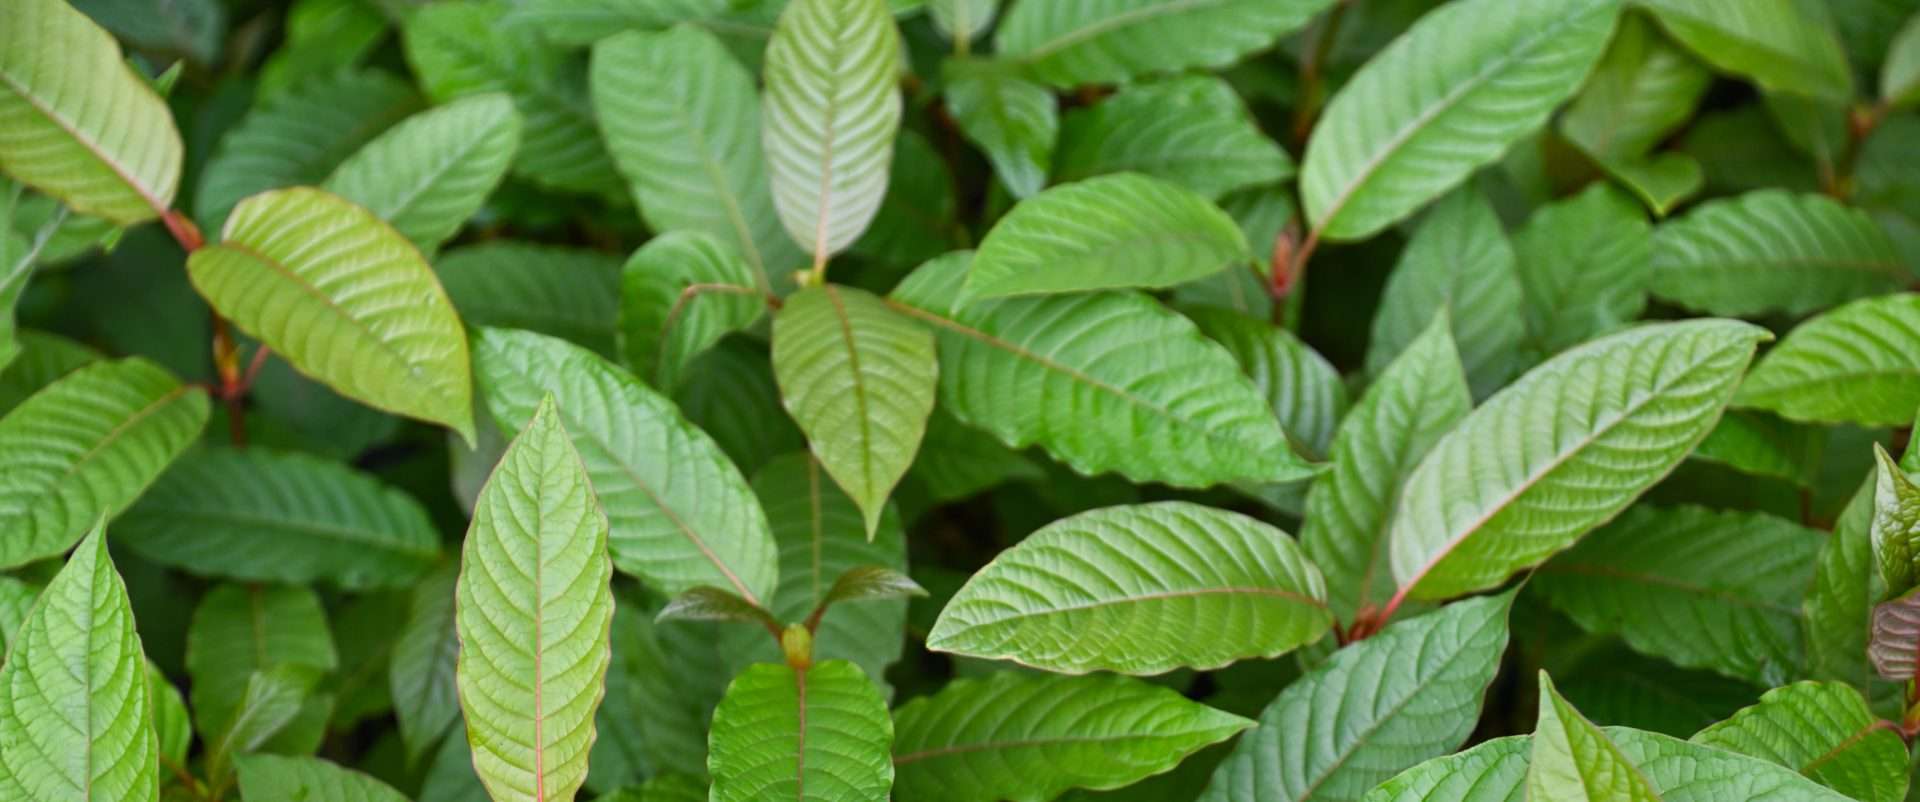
(77, 122)
(1148, 396)
(1573, 761)
(421, 668)
(1408, 694)
(1139, 590)
(76, 724)
(1894, 645)
(274, 777)
(1583, 265)
(679, 294)
(819, 734)
(1825, 731)
(345, 299)
(1855, 364)
(430, 173)
(1194, 132)
(1642, 90)
(859, 379)
(1698, 587)
(254, 654)
(1562, 450)
(266, 516)
(1047, 734)
(1419, 397)
(1765, 445)
(681, 117)
(1071, 42)
(1110, 232)
(1896, 524)
(570, 293)
(1460, 260)
(1305, 391)
(831, 114)
(1777, 43)
(682, 516)
(1773, 251)
(1451, 94)
(1014, 121)
(1840, 605)
(533, 607)
(83, 448)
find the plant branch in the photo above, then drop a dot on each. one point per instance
(226, 353)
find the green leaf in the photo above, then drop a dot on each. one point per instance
(1458, 260)
(172, 725)
(1661, 181)
(1643, 90)
(682, 516)
(1894, 647)
(1765, 445)
(713, 604)
(299, 137)
(1773, 251)
(831, 114)
(429, 174)
(1700, 588)
(1305, 391)
(859, 379)
(1190, 131)
(345, 299)
(1774, 42)
(1408, 694)
(277, 633)
(267, 777)
(421, 670)
(1201, 424)
(680, 116)
(730, 394)
(83, 448)
(323, 38)
(1583, 266)
(957, 462)
(1066, 43)
(1900, 75)
(272, 705)
(1139, 590)
(1464, 83)
(679, 673)
(1048, 734)
(266, 516)
(872, 583)
(43, 359)
(1498, 494)
(564, 292)
(679, 294)
(76, 722)
(917, 221)
(1854, 364)
(77, 123)
(1824, 731)
(533, 606)
(1839, 606)
(816, 735)
(461, 49)
(1109, 232)
(1896, 525)
(1574, 761)
(1014, 121)
(1420, 396)
(962, 19)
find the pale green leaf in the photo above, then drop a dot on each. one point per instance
(1643, 89)
(1764, 445)
(1583, 266)
(917, 221)
(241, 631)
(1304, 390)
(831, 114)
(817, 735)
(1824, 731)
(681, 514)
(345, 299)
(962, 19)
(1896, 525)
(1900, 75)
(1774, 42)
(1450, 95)
(564, 292)
(1047, 734)
(76, 122)
(1110, 232)
(679, 294)
(1070, 42)
(76, 723)
(1573, 761)
(1894, 646)
(267, 516)
(84, 447)
(681, 117)
(1153, 400)
(1191, 131)
(1408, 694)
(859, 378)
(1458, 260)
(1500, 493)
(421, 670)
(429, 174)
(1698, 587)
(1773, 251)
(533, 606)
(267, 778)
(1853, 364)
(1419, 397)
(1139, 590)
(1014, 121)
